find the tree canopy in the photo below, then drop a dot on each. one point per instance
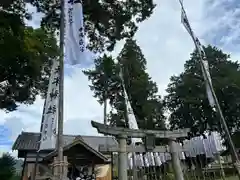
(187, 99)
(142, 91)
(26, 53)
(7, 169)
(26, 56)
(105, 21)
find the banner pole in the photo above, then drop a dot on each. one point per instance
(217, 105)
(61, 94)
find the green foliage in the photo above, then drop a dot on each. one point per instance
(16, 7)
(235, 138)
(106, 83)
(104, 78)
(187, 99)
(7, 169)
(170, 176)
(16, 177)
(26, 56)
(141, 90)
(106, 21)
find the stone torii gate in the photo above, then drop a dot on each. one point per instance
(123, 133)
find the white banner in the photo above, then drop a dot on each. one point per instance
(185, 22)
(149, 158)
(204, 63)
(208, 80)
(131, 117)
(50, 113)
(74, 32)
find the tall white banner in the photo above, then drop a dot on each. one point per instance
(50, 113)
(205, 71)
(207, 79)
(74, 32)
(131, 117)
(149, 157)
(204, 63)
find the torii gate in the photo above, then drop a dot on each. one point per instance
(123, 133)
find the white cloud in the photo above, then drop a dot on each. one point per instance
(80, 107)
(166, 46)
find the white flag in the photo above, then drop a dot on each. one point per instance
(181, 153)
(185, 22)
(50, 113)
(132, 122)
(162, 157)
(130, 161)
(207, 147)
(146, 160)
(207, 79)
(74, 32)
(205, 71)
(201, 53)
(157, 159)
(141, 159)
(216, 144)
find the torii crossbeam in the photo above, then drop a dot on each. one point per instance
(123, 133)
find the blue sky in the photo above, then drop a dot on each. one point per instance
(5, 133)
(166, 46)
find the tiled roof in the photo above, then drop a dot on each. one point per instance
(29, 141)
(82, 143)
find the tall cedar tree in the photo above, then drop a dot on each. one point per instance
(187, 99)
(105, 80)
(7, 169)
(106, 21)
(26, 56)
(142, 91)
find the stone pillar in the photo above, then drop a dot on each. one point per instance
(122, 158)
(55, 167)
(65, 167)
(134, 170)
(177, 169)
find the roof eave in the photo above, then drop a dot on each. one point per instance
(78, 141)
(14, 144)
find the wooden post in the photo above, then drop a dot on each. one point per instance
(177, 169)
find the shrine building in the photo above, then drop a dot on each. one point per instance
(81, 151)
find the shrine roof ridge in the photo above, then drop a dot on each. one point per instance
(30, 140)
